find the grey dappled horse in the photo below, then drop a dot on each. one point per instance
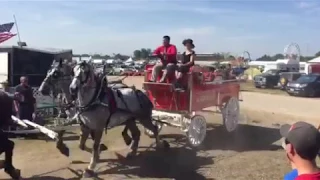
(101, 106)
(58, 79)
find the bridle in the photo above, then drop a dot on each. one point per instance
(52, 79)
(86, 82)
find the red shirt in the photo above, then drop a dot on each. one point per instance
(171, 53)
(315, 176)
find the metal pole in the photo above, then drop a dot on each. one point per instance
(15, 21)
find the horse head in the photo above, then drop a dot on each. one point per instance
(60, 71)
(83, 77)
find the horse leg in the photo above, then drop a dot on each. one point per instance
(84, 134)
(103, 147)
(135, 132)
(89, 171)
(147, 123)
(127, 139)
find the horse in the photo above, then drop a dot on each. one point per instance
(7, 146)
(57, 81)
(101, 106)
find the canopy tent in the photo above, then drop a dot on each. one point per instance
(129, 60)
(315, 60)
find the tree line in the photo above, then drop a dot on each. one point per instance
(281, 56)
(144, 53)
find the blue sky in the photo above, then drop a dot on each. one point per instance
(260, 27)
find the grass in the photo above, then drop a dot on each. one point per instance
(249, 87)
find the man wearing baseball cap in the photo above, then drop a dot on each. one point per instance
(302, 145)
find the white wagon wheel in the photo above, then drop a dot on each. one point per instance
(197, 130)
(231, 114)
(150, 133)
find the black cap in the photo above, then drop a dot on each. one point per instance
(304, 137)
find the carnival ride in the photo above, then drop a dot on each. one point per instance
(181, 108)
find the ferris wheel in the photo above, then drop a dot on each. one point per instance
(245, 57)
(292, 52)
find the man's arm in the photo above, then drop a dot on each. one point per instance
(17, 90)
(157, 51)
(172, 52)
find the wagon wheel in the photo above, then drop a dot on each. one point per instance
(197, 130)
(231, 114)
(149, 132)
(223, 104)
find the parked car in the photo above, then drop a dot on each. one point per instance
(306, 85)
(286, 77)
(269, 79)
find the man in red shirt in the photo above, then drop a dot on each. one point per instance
(168, 55)
(302, 145)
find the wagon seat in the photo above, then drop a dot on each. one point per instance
(170, 79)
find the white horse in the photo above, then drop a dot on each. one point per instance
(96, 110)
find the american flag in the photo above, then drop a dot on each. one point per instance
(5, 33)
(6, 27)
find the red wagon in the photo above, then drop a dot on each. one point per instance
(180, 108)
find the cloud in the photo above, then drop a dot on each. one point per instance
(306, 4)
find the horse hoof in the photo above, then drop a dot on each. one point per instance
(127, 139)
(63, 149)
(103, 147)
(165, 144)
(131, 155)
(82, 147)
(87, 173)
(14, 173)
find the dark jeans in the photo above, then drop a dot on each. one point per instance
(25, 112)
(6, 146)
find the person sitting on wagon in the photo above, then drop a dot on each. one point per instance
(188, 57)
(187, 61)
(168, 55)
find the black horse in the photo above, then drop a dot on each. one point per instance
(6, 145)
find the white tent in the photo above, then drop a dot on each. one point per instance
(130, 60)
(315, 60)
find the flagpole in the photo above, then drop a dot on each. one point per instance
(15, 21)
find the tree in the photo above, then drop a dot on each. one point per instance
(143, 53)
(137, 54)
(264, 58)
(317, 54)
(277, 56)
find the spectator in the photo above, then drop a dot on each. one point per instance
(27, 105)
(302, 145)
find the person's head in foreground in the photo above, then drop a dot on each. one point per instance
(166, 40)
(188, 43)
(302, 145)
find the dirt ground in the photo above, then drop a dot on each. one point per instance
(253, 151)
